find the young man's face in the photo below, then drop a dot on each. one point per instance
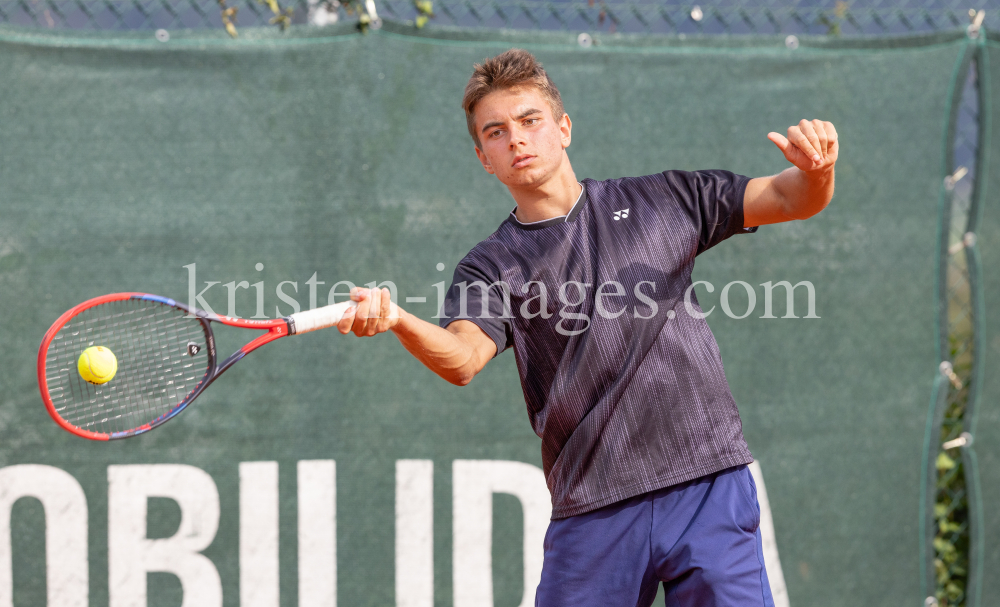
(521, 142)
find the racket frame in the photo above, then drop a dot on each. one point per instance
(276, 329)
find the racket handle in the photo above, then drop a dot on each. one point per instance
(320, 318)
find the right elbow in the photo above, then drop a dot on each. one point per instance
(463, 379)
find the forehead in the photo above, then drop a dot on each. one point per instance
(506, 104)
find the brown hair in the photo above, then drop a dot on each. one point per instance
(511, 69)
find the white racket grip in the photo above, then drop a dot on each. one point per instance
(320, 318)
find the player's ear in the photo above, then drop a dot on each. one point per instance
(486, 161)
(566, 128)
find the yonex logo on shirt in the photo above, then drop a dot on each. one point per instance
(622, 214)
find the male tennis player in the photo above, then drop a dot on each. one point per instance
(642, 445)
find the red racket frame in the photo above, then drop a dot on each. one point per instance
(276, 329)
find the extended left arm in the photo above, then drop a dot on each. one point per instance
(800, 191)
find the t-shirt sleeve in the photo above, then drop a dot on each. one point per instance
(486, 303)
(714, 202)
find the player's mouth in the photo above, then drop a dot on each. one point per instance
(522, 161)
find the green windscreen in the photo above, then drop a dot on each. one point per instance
(987, 434)
(302, 159)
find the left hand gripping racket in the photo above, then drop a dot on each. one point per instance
(165, 354)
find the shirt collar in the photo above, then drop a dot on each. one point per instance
(574, 210)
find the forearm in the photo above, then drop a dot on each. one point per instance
(450, 355)
(803, 194)
(789, 195)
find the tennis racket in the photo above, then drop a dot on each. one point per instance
(165, 354)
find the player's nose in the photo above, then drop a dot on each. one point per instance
(516, 136)
(516, 140)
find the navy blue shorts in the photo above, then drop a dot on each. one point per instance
(700, 539)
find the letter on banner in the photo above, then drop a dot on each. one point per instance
(771, 561)
(65, 506)
(259, 534)
(317, 533)
(415, 533)
(131, 555)
(473, 484)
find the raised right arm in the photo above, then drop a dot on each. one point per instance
(456, 353)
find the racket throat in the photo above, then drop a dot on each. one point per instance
(272, 334)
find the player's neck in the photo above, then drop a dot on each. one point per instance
(554, 198)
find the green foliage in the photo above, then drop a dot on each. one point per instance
(228, 14)
(951, 508)
(425, 10)
(832, 19)
(282, 16)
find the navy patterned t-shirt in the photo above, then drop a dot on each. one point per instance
(623, 383)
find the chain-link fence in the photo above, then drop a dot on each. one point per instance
(837, 17)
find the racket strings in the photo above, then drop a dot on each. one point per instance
(156, 370)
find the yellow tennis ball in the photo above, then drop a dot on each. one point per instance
(97, 365)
